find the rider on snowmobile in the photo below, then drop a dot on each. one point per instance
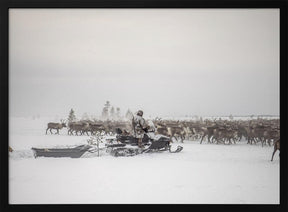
(140, 127)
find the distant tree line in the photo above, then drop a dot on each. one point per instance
(108, 112)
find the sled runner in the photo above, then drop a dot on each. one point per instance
(75, 152)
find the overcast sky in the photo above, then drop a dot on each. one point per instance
(167, 62)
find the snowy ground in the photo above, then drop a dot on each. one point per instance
(200, 174)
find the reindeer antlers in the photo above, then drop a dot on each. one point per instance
(63, 120)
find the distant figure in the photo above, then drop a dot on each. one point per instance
(139, 127)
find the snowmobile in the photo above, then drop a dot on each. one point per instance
(127, 145)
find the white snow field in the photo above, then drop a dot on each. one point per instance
(200, 174)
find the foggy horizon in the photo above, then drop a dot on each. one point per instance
(166, 62)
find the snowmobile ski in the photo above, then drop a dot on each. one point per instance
(179, 149)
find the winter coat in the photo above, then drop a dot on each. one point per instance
(139, 124)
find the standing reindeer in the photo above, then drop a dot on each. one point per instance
(56, 126)
(276, 147)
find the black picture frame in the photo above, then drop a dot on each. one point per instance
(5, 5)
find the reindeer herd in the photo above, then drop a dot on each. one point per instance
(253, 131)
(88, 127)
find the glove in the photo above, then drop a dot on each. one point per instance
(146, 129)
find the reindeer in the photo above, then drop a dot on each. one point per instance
(96, 127)
(162, 129)
(223, 134)
(269, 135)
(176, 132)
(79, 126)
(276, 147)
(251, 137)
(56, 126)
(241, 132)
(209, 132)
(189, 131)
